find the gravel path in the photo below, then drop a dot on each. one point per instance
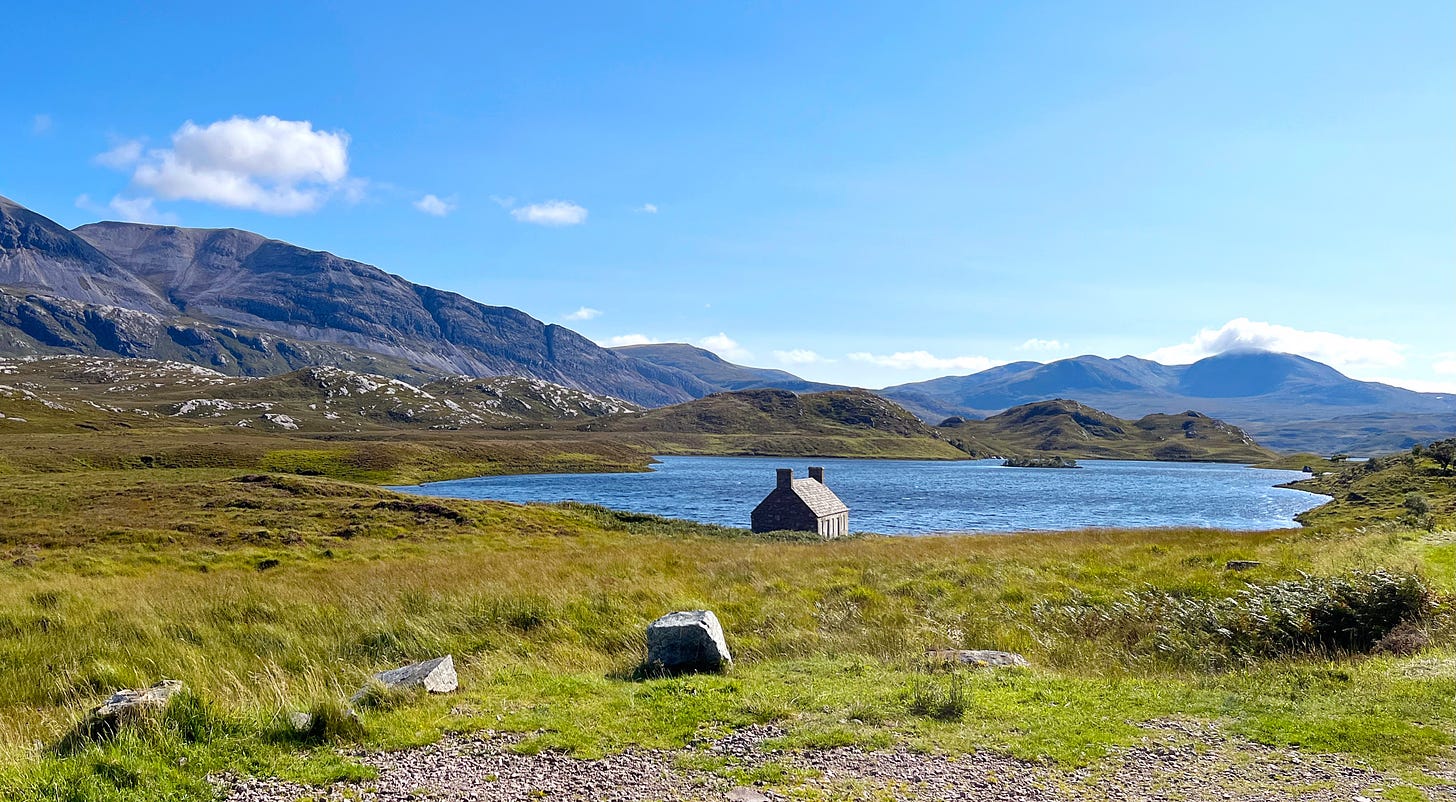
(1175, 761)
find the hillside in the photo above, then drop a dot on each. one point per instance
(1287, 402)
(247, 305)
(66, 391)
(1071, 429)
(779, 422)
(1411, 489)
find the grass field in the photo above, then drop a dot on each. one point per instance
(267, 591)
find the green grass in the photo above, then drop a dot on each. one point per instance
(1376, 492)
(271, 593)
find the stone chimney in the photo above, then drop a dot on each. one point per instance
(817, 474)
(786, 477)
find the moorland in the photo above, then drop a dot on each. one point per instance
(265, 568)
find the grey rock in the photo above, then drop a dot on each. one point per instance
(300, 721)
(125, 707)
(978, 658)
(1241, 565)
(688, 640)
(434, 676)
(742, 794)
(128, 700)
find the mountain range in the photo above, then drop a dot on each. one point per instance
(78, 393)
(245, 305)
(1287, 402)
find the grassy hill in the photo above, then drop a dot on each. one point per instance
(847, 423)
(143, 392)
(1070, 429)
(1410, 489)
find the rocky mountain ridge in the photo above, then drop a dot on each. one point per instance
(247, 305)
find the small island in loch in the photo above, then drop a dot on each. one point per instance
(1039, 462)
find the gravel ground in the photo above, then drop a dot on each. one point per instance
(1175, 761)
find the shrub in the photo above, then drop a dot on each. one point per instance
(1417, 503)
(1311, 615)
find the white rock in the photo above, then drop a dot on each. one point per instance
(688, 640)
(435, 676)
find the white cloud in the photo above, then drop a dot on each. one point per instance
(433, 204)
(799, 356)
(41, 123)
(724, 346)
(1336, 350)
(266, 164)
(648, 208)
(1445, 363)
(551, 213)
(506, 202)
(129, 210)
(1035, 344)
(126, 153)
(627, 339)
(924, 360)
(584, 313)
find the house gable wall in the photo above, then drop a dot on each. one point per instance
(783, 509)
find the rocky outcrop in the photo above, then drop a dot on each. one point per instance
(685, 641)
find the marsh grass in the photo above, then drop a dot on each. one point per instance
(114, 579)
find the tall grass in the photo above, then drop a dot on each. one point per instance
(545, 607)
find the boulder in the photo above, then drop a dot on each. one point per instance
(977, 658)
(125, 707)
(687, 640)
(128, 701)
(435, 676)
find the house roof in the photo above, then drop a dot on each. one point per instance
(821, 499)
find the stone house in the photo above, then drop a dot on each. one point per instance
(802, 505)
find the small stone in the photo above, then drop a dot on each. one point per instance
(742, 794)
(300, 721)
(688, 640)
(1241, 565)
(978, 658)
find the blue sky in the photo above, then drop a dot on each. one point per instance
(864, 193)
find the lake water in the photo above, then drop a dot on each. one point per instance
(910, 497)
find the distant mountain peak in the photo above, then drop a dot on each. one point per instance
(243, 303)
